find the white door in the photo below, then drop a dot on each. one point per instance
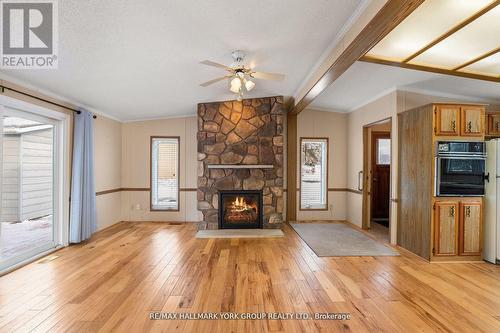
(30, 185)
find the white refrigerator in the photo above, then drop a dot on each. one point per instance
(491, 232)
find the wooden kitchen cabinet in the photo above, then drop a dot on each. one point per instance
(494, 123)
(458, 227)
(472, 120)
(470, 230)
(446, 218)
(460, 120)
(446, 120)
(439, 229)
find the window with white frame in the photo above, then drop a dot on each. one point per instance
(165, 173)
(313, 174)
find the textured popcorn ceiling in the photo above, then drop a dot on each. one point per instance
(139, 59)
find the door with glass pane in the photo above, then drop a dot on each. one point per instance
(381, 173)
(27, 213)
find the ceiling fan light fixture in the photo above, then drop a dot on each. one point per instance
(249, 85)
(241, 78)
(235, 90)
(236, 83)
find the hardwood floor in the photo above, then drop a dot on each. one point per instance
(112, 283)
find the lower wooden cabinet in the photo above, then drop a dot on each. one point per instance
(446, 228)
(470, 230)
(457, 228)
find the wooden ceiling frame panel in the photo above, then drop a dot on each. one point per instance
(430, 69)
(388, 17)
(473, 61)
(453, 30)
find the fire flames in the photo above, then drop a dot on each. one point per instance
(240, 211)
(240, 204)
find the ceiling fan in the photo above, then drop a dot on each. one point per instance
(239, 76)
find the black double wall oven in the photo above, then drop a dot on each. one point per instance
(460, 168)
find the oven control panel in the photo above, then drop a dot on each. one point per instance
(461, 148)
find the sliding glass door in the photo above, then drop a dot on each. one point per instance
(29, 181)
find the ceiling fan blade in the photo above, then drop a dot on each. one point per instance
(268, 76)
(215, 64)
(206, 84)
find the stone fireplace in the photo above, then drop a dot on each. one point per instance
(240, 148)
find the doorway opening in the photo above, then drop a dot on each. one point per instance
(377, 170)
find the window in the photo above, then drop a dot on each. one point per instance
(383, 151)
(313, 173)
(165, 173)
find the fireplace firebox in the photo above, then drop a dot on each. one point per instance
(240, 209)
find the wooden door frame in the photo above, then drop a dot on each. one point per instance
(366, 209)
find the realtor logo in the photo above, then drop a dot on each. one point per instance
(28, 34)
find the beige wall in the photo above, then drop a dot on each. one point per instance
(382, 108)
(135, 164)
(136, 168)
(107, 165)
(313, 123)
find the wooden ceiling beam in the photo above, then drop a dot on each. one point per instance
(450, 32)
(387, 18)
(486, 55)
(430, 69)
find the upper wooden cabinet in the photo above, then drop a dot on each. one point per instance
(472, 121)
(446, 228)
(470, 228)
(446, 118)
(459, 120)
(494, 123)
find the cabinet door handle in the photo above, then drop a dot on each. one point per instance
(453, 125)
(467, 211)
(469, 126)
(496, 126)
(452, 211)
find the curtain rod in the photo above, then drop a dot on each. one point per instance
(41, 99)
